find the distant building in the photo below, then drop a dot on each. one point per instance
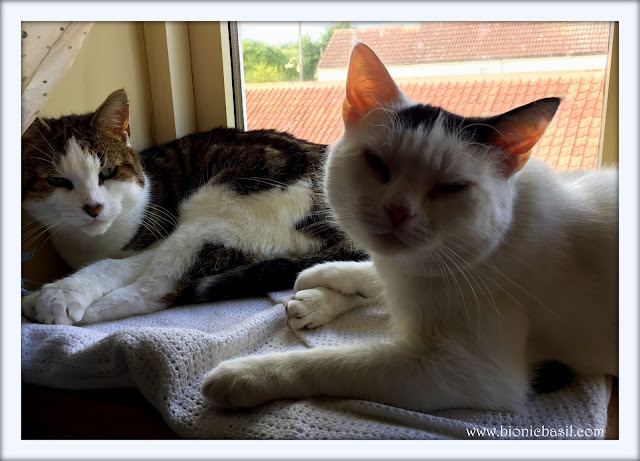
(473, 69)
(459, 48)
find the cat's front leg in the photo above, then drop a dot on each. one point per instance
(64, 302)
(146, 295)
(399, 374)
(249, 381)
(326, 290)
(152, 290)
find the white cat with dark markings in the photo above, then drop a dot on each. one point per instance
(488, 266)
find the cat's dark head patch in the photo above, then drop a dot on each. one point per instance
(103, 133)
(421, 116)
(514, 133)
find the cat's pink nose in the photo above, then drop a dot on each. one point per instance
(92, 210)
(398, 213)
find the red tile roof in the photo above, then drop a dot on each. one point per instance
(311, 110)
(468, 41)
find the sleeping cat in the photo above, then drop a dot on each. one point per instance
(211, 216)
(488, 266)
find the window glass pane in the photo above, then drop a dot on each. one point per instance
(470, 68)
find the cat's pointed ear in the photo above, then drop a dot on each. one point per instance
(113, 115)
(517, 131)
(369, 85)
(37, 128)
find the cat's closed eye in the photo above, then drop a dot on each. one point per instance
(58, 181)
(450, 188)
(377, 165)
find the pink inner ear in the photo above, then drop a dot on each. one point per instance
(113, 115)
(369, 85)
(519, 139)
(117, 125)
(517, 131)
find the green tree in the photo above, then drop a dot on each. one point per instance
(266, 63)
(262, 73)
(326, 37)
(263, 62)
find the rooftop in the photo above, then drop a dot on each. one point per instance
(468, 41)
(311, 110)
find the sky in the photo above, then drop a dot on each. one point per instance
(275, 33)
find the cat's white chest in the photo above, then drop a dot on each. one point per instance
(79, 249)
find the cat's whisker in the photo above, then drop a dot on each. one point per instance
(386, 127)
(475, 143)
(40, 158)
(141, 221)
(49, 158)
(150, 221)
(468, 276)
(41, 226)
(503, 289)
(494, 268)
(479, 277)
(488, 263)
(443, 268)
(393, 115)
(53, 151)
(32, 221)
(162, 221)
(322, 213)
(270, 182)
(316, 228)
(450, 275)
(158, 235)
(26, 234)
(486, 125)
(168, 216)
(33, 239)
(63, 226)
(462, 296)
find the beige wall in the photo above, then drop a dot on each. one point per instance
(112, 57)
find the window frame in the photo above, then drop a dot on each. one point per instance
(608, 149)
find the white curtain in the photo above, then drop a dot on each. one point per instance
(48, 50)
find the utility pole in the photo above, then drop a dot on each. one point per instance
(300, 61)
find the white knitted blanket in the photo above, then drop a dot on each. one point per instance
(166, 355)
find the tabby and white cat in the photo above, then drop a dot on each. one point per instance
(487, 267)
(219, 214)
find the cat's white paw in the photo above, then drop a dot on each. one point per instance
(314, 307)
(238, 383)
(335, 276)
(29, 305)
(55, 304)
